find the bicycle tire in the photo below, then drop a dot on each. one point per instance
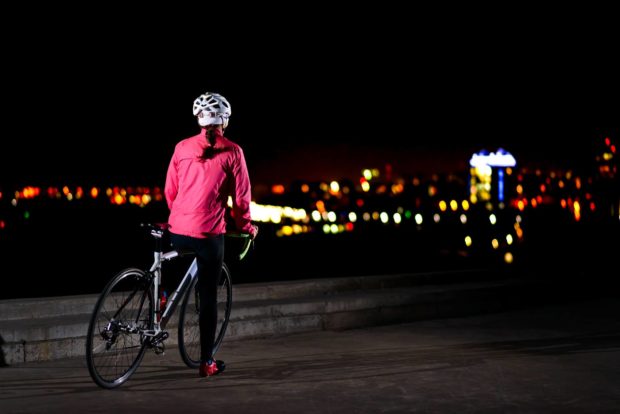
(189, 329)
(114, 346)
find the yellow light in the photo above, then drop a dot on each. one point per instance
(443, 205)
(94, 192)
(397, 188)
(577, 210)
(519, 189)
(493, 219)
(287, 230)
(509, 239)
(384, 217)
(365, 186)
(326, 228)
(495, 243)
(334, 228)
(334, 187)
(454, 205)
(468, 241)
(465, 205)
(275, 217)
(508, 258)
(519, 232)
(367, 174)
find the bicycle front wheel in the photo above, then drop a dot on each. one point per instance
(189, 328)
(115, 343)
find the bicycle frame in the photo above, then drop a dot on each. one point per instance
(156, 270)
(172, 303)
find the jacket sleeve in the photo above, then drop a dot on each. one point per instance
(172, 181)
(241, 194)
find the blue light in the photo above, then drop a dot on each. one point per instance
(500, 184)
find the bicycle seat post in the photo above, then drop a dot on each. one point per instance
(157, 231)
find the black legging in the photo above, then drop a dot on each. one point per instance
(210, 255)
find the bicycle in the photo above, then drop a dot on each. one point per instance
(129, 318)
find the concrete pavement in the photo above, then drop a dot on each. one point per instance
(561, 358)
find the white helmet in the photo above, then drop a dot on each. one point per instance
(212, 109)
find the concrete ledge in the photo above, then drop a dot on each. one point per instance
(51, 328)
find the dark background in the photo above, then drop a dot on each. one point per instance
(107, 94)
(101, 98)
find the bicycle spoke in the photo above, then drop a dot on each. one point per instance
(115, 344)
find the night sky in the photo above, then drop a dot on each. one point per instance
(99, 108)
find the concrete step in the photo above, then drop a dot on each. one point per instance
(266, 309)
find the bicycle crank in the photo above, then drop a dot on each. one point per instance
(157, 342)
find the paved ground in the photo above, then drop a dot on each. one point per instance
(545, 359)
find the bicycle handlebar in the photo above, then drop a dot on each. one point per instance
(157, 230)
(246, 243)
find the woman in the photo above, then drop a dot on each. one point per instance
(204, 171)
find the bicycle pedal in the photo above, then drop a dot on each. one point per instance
(159, 338)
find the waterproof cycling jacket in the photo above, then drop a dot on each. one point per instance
(197, 189)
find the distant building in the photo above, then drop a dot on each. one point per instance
(488, 175)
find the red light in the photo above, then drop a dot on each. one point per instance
(607, 141)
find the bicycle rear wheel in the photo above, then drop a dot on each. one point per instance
(114, 343)
(189, 329)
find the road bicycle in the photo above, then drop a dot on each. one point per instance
(131, 315)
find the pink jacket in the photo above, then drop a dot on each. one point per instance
(197, 191)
